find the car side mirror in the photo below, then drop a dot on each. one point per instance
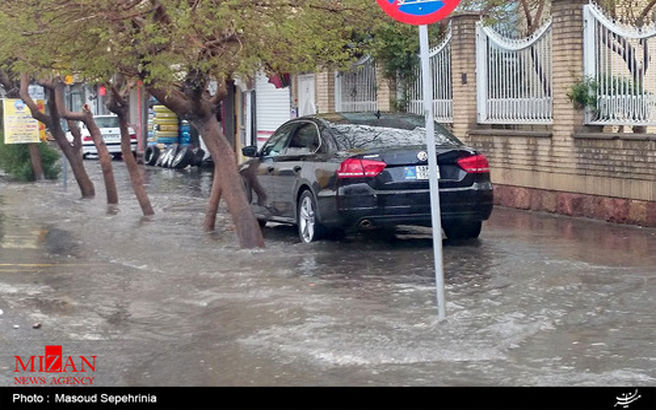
(250, 151)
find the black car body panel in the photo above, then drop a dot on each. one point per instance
(305, 154)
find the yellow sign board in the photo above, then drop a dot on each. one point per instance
(20, 127)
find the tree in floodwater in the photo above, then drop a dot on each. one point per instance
(118, 103)
(32, 35)
(71, 150)
(86, 117)
(179, 48)
(14, 56)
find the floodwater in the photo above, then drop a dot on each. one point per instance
(538, 300)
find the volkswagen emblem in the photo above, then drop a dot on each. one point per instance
(422, 156)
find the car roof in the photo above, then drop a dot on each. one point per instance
(399, 120)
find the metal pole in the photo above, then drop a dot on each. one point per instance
(433, 170)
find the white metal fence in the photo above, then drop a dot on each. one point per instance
(355, 90)
(514, 77)
(440, 63)
(618, 71)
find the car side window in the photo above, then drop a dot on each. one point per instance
(277, 142)
(305, 140)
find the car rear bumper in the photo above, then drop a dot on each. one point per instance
(360, 206)
(112, 147)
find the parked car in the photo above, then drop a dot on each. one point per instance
(350, 171)
(111, 133)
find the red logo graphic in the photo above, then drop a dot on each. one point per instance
(54, 361)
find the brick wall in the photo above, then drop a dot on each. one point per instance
(566, 168)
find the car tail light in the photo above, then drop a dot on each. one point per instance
(87, 138)
(360, 168)
(476, 164)
(133, 136)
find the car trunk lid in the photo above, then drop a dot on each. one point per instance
(407, 167)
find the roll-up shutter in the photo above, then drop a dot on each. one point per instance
(273, 107)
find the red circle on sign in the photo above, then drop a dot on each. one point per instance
(393, 10)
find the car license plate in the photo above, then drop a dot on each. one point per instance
(417, 173)
(111, 138)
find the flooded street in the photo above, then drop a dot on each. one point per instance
(538, 300)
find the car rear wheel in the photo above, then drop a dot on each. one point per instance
(463, 230)
(309, 228)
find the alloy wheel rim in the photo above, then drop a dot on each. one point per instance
(307, 220)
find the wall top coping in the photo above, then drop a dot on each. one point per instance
(614, 136)
(467, 14)
(493, 132)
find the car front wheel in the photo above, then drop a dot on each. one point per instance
(309, 228)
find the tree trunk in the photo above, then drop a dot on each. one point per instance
(86, 116)
(73, 155)
(228, 184)
(133, 168)
(104, 158)
(213, 205)
(35, 158)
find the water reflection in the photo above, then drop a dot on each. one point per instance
(582, 239)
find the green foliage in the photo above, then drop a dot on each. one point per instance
(163, 41)
(15, 161)
(395, 47)
(584, 94)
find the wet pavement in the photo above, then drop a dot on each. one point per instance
(538, 300)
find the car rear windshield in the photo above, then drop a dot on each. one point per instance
(107, 122)
(367, 131)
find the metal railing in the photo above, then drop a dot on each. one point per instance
(356, 90)
(618, 72)
(440, 63)
(514, 83)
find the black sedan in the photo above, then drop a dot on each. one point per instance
(349, 171)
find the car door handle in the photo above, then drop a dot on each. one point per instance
(270, 169)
